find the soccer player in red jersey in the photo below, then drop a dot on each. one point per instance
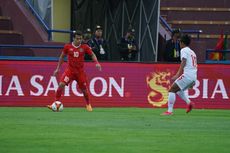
(75, 52)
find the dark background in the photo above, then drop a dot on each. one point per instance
(116, 16)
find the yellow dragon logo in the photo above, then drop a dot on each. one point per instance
(159, 83)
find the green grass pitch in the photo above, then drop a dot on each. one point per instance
(113, 130)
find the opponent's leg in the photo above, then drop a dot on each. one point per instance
(187, 84)
(171, 99)
(190, 106)
(183, 96)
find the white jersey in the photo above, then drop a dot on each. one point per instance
(190, 69)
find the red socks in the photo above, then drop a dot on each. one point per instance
(58, 93)
(86, 95)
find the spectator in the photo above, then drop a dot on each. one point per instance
(99, 45)
(87, 39)
(128, 46)
(172, 50)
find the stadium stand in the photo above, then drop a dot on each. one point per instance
(211, 17)
(11, 37)
(5, 23)
(8, 36)
(15, 16)
(195, 3)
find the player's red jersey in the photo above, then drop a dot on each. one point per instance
(75, 55)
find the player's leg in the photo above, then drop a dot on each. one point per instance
(65, 80)
(82, 83)
(171, 99)
(86, 96)
(179, 84)
(59, 91)
(183, 96)
(184, 84)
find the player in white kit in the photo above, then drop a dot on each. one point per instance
(185, 76)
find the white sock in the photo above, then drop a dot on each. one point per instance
(171, 101)
(183, 96)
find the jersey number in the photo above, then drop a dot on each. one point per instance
(194, 62)
(75, 54)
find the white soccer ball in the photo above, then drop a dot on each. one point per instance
(57, 106)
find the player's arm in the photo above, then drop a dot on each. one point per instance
(94, 58)
(61, 60)
(180, 70)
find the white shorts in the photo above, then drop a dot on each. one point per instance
(184, 82)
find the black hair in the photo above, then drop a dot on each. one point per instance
(186, 39)
(78, 32)
(176, 31)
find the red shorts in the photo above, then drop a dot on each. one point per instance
(80, 77)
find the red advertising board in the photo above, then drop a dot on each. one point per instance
(30, 83)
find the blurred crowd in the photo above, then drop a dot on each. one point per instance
(127, 45)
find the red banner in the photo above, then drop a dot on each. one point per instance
(30, 83)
